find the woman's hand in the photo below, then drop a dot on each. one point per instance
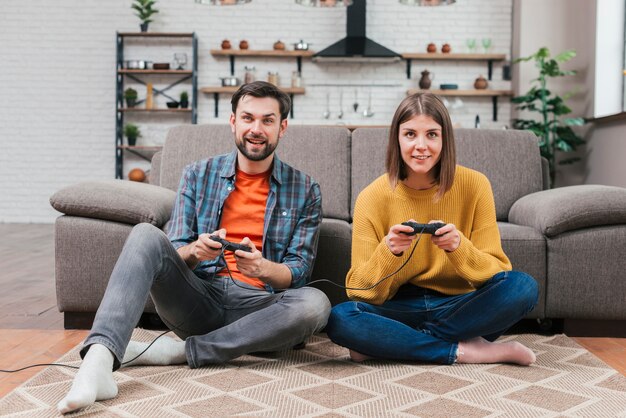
(447, 237)
(397, 239)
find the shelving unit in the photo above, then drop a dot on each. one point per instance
(494, 94)
(140, 76)
(233, 53)
(489, 58)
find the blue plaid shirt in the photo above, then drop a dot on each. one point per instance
(292, 216)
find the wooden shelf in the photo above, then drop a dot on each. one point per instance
(176, 72)
(141, 147)
(140, 109)
(272, 53)
(490, 58)
(465, 93)
(454, 57)
(217, 90)
(155, 35)
(231, 90)
(145, 152)
(260, 53)
(494, 94)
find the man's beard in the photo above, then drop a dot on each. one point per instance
(260, 155)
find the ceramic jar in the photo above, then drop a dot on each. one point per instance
(279, 46)
(226, 44)
(243, 44)
(425, 81)
(446, 48)
(431, 48)
(481, 83)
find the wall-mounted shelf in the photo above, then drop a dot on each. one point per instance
(494, 94)
(216, 91)
(232, 53)
(143, 151)
(164, 110)
(490, 58)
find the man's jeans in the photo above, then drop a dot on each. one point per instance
(424, 325)
(218, 320)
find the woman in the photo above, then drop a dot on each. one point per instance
(449, 295)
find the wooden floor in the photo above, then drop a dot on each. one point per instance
(31, 328)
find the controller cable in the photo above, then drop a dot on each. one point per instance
(243, 287)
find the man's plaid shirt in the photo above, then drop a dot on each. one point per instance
(292, 216)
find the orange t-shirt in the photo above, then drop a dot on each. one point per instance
(243, 216)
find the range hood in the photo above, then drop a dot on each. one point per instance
(356, 46)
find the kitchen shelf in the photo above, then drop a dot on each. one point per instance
(217, 90)
(143, 151)
(163, 110)
(494, 94)
(140, 76)
(176, 72)
(490, 58)
(232, 53)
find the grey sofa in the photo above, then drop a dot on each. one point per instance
(571, 240)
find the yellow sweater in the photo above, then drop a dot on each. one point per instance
(469, 205)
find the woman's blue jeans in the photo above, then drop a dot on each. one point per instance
(423, 325)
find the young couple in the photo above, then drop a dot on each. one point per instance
(448, 304)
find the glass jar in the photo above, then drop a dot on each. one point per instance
(250, 74)
(296, 79)
(272, 77)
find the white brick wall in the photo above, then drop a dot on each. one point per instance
(57, 116)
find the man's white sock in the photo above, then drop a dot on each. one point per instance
(164, 352)
(93, 382)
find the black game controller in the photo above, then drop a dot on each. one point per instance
(230, 246)
(423, 228)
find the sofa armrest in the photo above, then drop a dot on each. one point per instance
(116, 200)
(568, 208)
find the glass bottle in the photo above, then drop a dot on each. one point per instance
(272, 77)
(250, 75)
(296, 79)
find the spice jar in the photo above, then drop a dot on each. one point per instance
(226, 44)
(296, 79)
(272, 78)
(250, 75)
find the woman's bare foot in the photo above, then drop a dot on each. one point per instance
(357, 357)
(479, 350)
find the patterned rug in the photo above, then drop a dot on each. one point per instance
(321, 381)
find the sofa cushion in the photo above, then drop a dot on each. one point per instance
(510, 160)
(326, 150)
(116, 200)
(555, 211)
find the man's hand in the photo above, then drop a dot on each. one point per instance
(202, 249)
(397, 239)
(447, 237)
(250, 263)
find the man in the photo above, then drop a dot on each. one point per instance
(223, 304)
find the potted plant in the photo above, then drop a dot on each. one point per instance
(554, 132)
(131, 132)
(130, 95)
(184, 100)
(144, 12)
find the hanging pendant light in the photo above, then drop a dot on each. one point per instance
(324, 3)
(223, 2)
(427, 2)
